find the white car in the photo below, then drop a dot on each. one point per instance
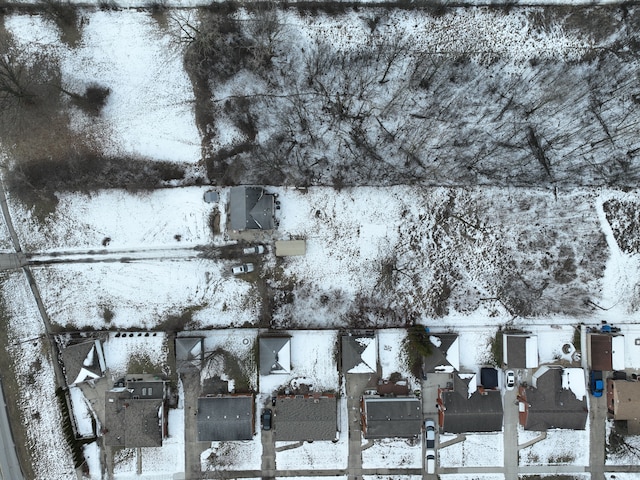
(511, 380)
(257, 250)
(430, 461)
(244, 268)
(430, 433)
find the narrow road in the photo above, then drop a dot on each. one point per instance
(9, 463)
(510, 443)
(192, 448)
(597, 432)
(356, 384)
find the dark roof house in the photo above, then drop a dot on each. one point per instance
(251, 208)
(135, 413)
(445, 354)
(275, 355)
(623, 403)
(464, 406)
(605, 351)
(556, 399)
(387, 417)
(83, 361)
(306, 417)
(225, 418)
(188, 353)
(359, 353)
(520, 350)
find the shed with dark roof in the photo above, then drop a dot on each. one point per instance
(445, 353)
(306, 417)
(520, 350)
(275, 355)
(359, 353)
(225, 417)
(388, 417)
(188, 353)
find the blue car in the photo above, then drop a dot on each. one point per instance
(596, 384)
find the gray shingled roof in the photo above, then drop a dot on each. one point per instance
(438, 355)
(132, 422)
(477, 413)
(352, 351)
(551, 406)
(251, 208)
(306, 418)
(270, 362)
(516, 351)
(188, 353)
(80, 356)
(388, 417)
(225, 418)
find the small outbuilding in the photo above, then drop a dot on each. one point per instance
(275, 355)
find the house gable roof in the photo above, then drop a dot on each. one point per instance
(445, 354)
(188, 353)
(359, 354)
(275, 355)
(251, 208)
(130, 422)
(388, 417)
(469, 409)
(225, 418)
(552, 404)
(83, 361)
(306, 417)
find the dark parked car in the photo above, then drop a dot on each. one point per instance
(266, 419)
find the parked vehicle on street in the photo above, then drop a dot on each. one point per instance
(596, 384)
(430, 432)
(244, 268)
(511, 379)
(267, 415)
(430, 461)
(255, 250)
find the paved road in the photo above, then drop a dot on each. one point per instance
(9, 463)
(192, 448)
(510, 443)
(597, 432)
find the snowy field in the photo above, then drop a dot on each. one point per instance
(400, 453)
(471, 476)
(36, 380)
(560, 447)
(120, 349)
(477, 450)
(129, 220)
(391, 356)
(150, 108)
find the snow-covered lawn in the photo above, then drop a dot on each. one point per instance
(143, 294)
(149, 110)
(621, 449)
(81, 411)
(477, 450)
(233, 456)
(396, 452)
(41, 415)
(560, 447)
(313, 361)
(116, 220)
(471, 476)
(391, 354)
(148, 347)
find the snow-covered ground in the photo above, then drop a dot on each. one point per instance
(313, 362)
(383, 453)
(621, 449)
(477, 450)
(560, 447)
(245, 455)
(149, 111)
(471, 476)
